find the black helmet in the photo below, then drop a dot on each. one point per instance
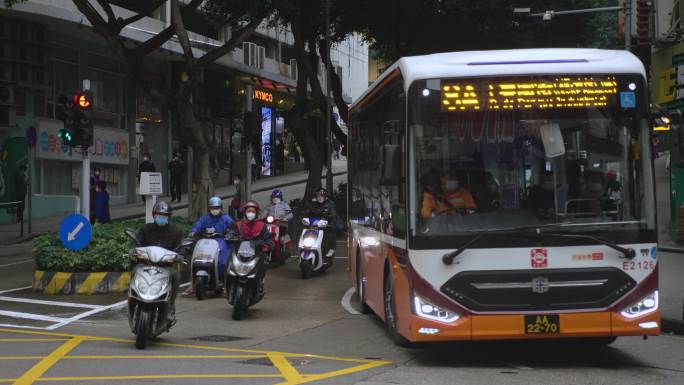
(321, 193)
(161, 208)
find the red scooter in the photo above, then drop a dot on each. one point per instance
(281, 238)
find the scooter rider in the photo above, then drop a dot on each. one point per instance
(279, 209)
(164, 234)
(251, 228)
(220, 222)
(323, 207)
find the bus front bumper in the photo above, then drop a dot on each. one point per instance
(505, 326)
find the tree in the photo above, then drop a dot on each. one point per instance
(182, 95)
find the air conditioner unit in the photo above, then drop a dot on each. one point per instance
(249, 52)
(293, 69)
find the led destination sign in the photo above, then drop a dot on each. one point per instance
(562, 92)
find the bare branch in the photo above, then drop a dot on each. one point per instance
(153, 43)
(230, 45)
(130, 20)
(335, 84)
(108, 10)
(181, 31)
(102, 27)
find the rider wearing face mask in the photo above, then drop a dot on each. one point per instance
(279, 209)
(219, 222)
(164, 234)
(451, 196)
(323, 208)
(253, 229)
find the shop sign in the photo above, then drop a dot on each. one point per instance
(110, 146)
(263, 96)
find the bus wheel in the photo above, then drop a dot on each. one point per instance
(360, 290)
(390, 314)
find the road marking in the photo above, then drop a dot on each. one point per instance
(288, 371)
(17, 263)
(31, 316)
(51, 303)
(158, 377)
(17, 289)
(31, 339)
(346, 301)
(33, 374)
(341, 372)
(158, 357)
(77, 317)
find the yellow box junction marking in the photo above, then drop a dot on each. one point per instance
(280, 360)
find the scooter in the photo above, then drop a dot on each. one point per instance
(245, 276)
(281, 239)
(206, 271)
(312, 257)
(151, 290)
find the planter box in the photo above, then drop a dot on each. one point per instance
(54, 282)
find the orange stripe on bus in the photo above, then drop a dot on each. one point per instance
(377, 89)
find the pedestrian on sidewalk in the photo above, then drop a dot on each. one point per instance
(176, 167)
(145, 166)
(94, 180)
(20, 187)
(336, 147)
(240, 196)
(255, 169)
(102, 203)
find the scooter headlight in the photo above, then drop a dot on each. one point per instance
(308, 242)
(646, 305)
(433, 312)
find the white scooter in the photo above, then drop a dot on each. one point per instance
(205, 270)
(312, 257)
(151, 290)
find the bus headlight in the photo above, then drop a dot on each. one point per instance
(646, 305)
(429, 311)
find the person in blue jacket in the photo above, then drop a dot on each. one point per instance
(102, 203)
(220, 222)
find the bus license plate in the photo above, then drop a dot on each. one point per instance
(542, 324)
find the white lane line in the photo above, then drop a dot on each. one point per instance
(77, 317)
(346, 301)
(22, 327)
(17, 289)
(17, 263)
(31, 316)
(50, 303)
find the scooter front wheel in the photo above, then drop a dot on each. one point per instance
(306, 268)
(142, 328)
(238, 303)
(200, 288)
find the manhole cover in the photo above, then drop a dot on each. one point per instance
(267, 362)
(217, 338)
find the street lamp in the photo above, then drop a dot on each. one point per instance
(548, 15)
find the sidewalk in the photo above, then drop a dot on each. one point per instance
(9, 233)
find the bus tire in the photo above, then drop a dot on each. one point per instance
(390, 315)
(360, 291)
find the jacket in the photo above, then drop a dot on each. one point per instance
(220, 223)
(168, 237)
(325, 210)
(257, 231)
(280, 210)
(146, 166)
(176, 168)
(439, 203)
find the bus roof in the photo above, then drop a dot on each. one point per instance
(509, 62)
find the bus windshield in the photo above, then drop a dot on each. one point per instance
(507, 152)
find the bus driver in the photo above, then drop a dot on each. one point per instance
(451, 196)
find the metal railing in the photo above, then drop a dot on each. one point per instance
(8, 205)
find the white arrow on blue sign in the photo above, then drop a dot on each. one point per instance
(75, 232)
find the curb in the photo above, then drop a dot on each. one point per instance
(672, 325)
(185, 205)
(88, 283)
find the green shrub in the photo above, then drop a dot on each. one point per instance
(105, 252)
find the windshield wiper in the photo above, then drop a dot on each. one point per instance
(448, 258)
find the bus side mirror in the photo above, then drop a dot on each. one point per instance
(391, 164)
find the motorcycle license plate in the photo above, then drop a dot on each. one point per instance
(542, 324)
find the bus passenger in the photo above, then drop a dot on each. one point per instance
(540, 198)
(452, 196)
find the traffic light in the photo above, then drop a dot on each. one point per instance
(66, 136)
(84, 134)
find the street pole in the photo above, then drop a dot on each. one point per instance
(628, 24)
(328, 112)
(248, 159)
(85, 185)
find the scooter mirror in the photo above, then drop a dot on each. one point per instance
(130, 233)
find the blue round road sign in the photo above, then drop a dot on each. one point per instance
(75, 232)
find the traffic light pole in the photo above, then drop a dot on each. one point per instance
(85, 185)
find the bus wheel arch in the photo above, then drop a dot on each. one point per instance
(389, 308)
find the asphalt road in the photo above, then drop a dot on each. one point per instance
(300, 332)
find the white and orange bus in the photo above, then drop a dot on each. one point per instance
(505, 195)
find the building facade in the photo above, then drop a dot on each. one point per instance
(45, 51)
